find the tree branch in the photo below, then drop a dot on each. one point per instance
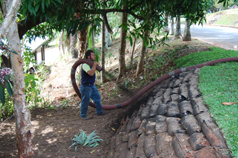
(105, 11)
(106, 23)
(24, 26)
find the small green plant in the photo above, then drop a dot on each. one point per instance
(42, 72)
(109, 56)
(92, 140)
(126, 83)
(50, 107)
(65, 103)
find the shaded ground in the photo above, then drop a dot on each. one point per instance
(54, 128)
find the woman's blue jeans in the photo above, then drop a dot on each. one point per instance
(88, 92)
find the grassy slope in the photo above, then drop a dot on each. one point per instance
(218, 84)
(224, 18)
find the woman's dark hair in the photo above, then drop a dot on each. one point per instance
(88, 53)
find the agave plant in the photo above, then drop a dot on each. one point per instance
(92, 140)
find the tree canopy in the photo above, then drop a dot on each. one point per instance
(79, 14)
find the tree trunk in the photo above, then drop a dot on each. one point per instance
(132, 53)
(172, 26)
(122, 64)
(61, 43)
(42, 50)
(166, 27)
(82, 38)
(178, 29)
(140, 64)
(73, 41)
(103, 77)
(106, 37)
(22, 113)
(35, 53)
(93, 39)
(187, 34)
(9, 15)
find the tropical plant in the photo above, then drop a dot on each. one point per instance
(92, 140)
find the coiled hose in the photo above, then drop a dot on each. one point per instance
(148, 87)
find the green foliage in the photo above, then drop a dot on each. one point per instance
(92, 140)
(201, 57)
(38, 8)
(42, 30)
(42, 71)
(142, 15)
(29, 58)
(126, 83)
(108, 57)
(114, 22)
(219, 84)
(6, 109)
(31, 89)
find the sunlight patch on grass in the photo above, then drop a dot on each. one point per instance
(219, 84)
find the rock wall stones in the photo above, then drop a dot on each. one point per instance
(173, 123)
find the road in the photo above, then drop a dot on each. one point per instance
(224, 37)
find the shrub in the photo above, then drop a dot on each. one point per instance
(92, 140)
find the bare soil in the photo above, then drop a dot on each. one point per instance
(53, 129)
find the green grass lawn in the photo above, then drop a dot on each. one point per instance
(218, 84)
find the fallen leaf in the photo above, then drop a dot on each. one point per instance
(228, 103)
(143, 129)
(92, 151)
